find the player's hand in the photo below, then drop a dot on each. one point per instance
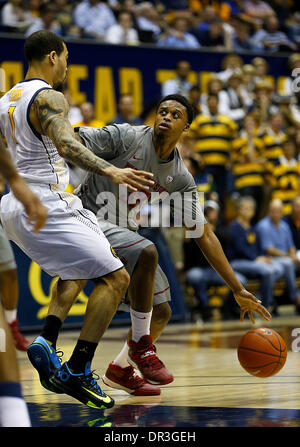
(135, 180)
(34, 208)
(248, 303)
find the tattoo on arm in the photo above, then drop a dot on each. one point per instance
(7, 167)
(52, 111)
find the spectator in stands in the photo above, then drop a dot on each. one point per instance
(208, 16)
(126, 112)
(177, 35)
(263, 102)
(230, 64)
(294, 109)
(273, 139)
(275, 240)
(202, 178)
(194, 99)
(199, 273)
(88, 116)
(179, 84)
(286, 176)
(94, 18)
(271, 39)
(64, 16)
(261, 68)
(248, 164)
(16, 17)
(258, 10)
(248, 84)
(233, 103)
(293, 64)
(212, 37)
(243, 252)
(148, 22)
(212, 136)
(293, 221)
(123, 32)
(46, 21)
(241, 38)
(214, 87)
(88, 119)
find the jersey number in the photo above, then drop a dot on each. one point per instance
(10, 113)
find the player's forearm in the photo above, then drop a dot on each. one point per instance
(7, 167)
(73, 151)
(52, 111)
(213, 251)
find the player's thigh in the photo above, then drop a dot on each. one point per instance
(7, 258)
(127, 244)
(70, 245)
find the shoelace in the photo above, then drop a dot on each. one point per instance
(92, 378)
(134, 376)
(152, 361)
(59, 355)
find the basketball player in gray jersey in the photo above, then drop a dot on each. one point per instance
(153, 150)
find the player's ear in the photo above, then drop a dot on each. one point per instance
(53, 57)
(186, 127)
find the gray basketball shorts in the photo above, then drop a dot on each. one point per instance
(128, 245)
(7, 257)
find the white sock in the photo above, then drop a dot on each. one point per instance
(140, 322)
(13, 412)
(121, 359)
(10, 315)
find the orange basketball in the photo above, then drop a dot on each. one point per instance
(262, 352)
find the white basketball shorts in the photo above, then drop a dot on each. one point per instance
(71, 244)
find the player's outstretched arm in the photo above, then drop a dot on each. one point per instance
(34, 208)
(212, 249)
(52, 110)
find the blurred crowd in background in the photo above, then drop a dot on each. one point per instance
(243, 147)
(232, 25)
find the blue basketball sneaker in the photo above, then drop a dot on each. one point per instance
(83, 387)
(45, 360)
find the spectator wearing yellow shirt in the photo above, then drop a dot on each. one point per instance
(286, 176)
(249, 164)
(273, 138)
(88, 116)
(212, 135)
(88, 119)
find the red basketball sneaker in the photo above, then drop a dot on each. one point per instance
(20, 341)
(128, 380)
(142, 355)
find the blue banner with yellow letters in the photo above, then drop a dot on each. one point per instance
(99, 73)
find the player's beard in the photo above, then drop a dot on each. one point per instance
(59, 87)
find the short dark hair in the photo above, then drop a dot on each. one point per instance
(182, 100)
(41, 43)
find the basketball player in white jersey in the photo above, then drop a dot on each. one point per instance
(13, 409)
(153, 150)
(33, 119)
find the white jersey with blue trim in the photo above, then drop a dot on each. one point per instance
(35, 155)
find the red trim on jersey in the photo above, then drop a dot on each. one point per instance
(126, 246)
(158, 293)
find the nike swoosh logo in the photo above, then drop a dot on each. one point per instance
(136, 158)
(106, 399)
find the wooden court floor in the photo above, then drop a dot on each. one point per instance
(210, 387)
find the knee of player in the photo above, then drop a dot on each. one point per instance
(162, 313)
(122, 279)
(148, 257)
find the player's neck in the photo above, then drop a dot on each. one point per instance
(163, 148)
(37, 72)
